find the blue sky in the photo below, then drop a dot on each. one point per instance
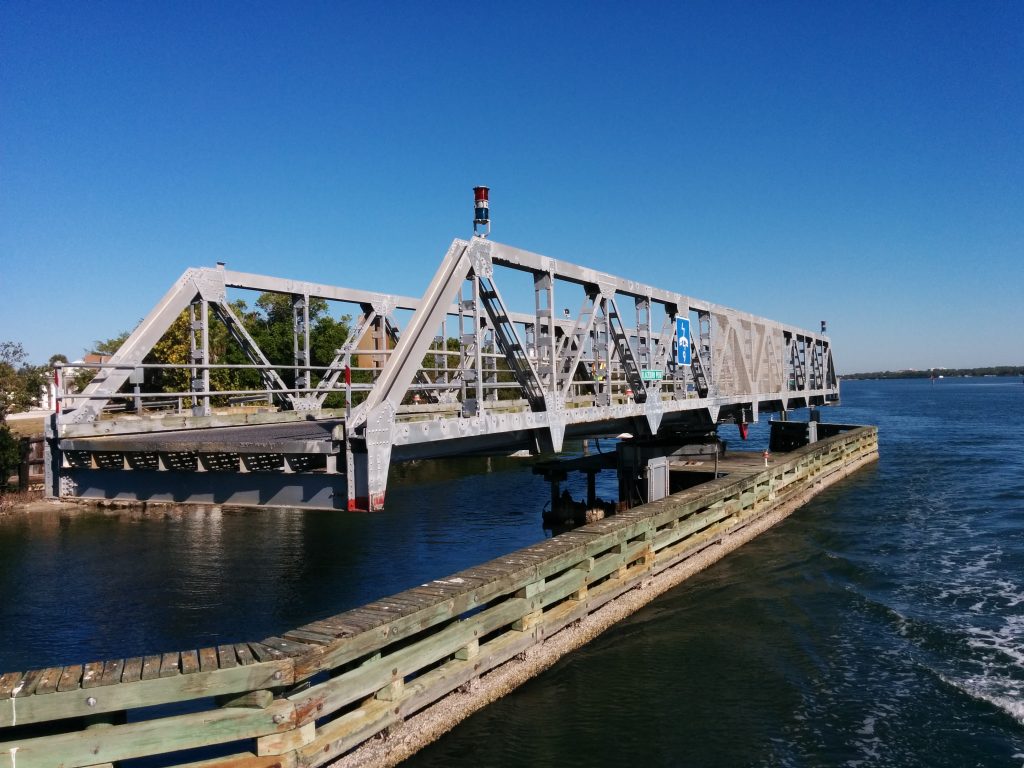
(857, 162)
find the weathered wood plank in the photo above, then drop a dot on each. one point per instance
(123, 742)
(70, 678)
(92, 674)
(48, 680)
(438, 595)
(189, 662)
(330, 628)
(7, 682)
(366, 619)
(405, 600)
(352, 728)
(459, 584)
(244, 760)
(226, 656)
(338, 623)
(305, 636)
(208, 659)
(258, 699)
(245, 657)
(132, 671)
(325, 698)
(692, 524)
(112, 672)
(169, 664)
(150, 667)
(384, 613)
(27, 685)
(390, 608)
(287, 647)
(413, 598)
(287, 741)
(144, 693)
(266, 653)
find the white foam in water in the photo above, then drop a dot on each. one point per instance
(1008, 701)
(980, 601)
(1006, 640)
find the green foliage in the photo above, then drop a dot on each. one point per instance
(996, 370)
(110, 346)
(269, 322)
(11, 353)
(10, 454)
(20, 384)
(11, 356)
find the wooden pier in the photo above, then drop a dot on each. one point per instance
(324, 690)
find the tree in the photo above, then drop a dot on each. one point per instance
(12, 355)
(10, 454)
(270, 323)
(12, 397)
(110, 346)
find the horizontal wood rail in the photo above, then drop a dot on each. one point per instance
(316, 692)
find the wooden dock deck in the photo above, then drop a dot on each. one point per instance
(320, 691)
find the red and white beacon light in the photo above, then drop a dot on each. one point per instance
(481, 211)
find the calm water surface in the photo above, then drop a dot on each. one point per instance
(880, 625)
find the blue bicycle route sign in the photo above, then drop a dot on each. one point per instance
(682, 341)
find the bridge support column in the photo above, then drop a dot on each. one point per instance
(51, 459)
(368, 461)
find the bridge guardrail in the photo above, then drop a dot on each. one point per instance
(320, 690)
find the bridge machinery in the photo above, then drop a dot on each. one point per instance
(454, 372)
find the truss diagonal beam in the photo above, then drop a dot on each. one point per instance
(271, 379)
(406, 359)
(508, 342)
(624, 352)
(577, 337)
(133, 351)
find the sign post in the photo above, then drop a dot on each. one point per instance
(682, 341)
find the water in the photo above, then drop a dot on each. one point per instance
(880, 625)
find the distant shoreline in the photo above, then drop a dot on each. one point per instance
(946, 373)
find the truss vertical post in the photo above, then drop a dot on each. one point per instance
(466, 342)
(379, 342)
(300, 343)
(643, 331)
(602, 349)
(440, 361)
(478, 342)
(199, 345)
(546, 341)
(706, 358)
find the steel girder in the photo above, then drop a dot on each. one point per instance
(585, 374)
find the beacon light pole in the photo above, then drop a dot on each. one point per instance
(481, 211)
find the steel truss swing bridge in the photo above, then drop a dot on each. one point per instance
(454, 372)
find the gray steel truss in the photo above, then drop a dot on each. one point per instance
(463, 374)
